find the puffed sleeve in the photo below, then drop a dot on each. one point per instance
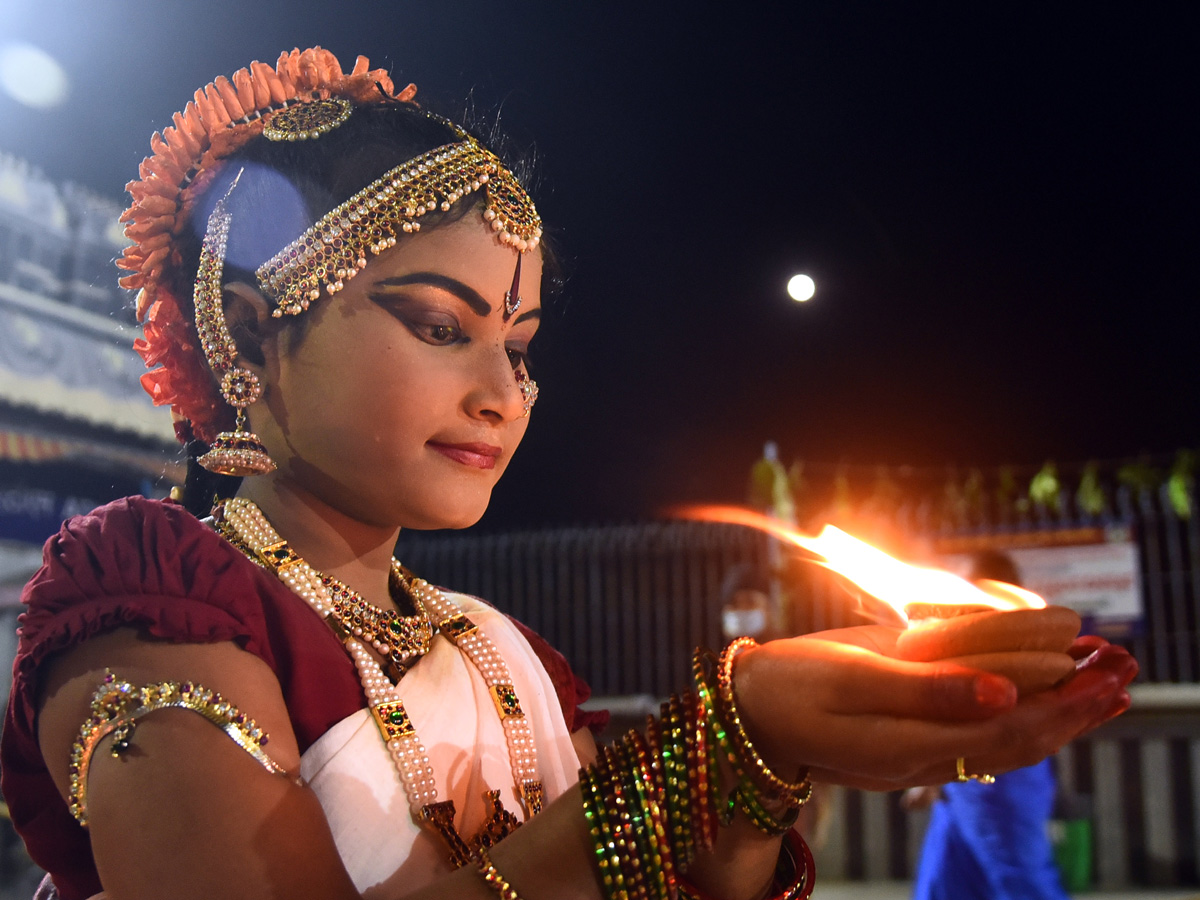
(151, 565)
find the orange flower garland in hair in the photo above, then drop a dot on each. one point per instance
(220, 119)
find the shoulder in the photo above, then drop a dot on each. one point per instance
(140, 562)
(131, 543)
(151, 567)
(132, 546)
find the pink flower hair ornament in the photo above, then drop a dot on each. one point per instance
(221, 118)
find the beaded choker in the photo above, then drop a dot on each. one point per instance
(398, 639)
(252, 530)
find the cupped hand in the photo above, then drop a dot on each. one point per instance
(838, 703)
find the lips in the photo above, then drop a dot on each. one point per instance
(479, 456)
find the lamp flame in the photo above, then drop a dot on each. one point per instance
(897, 584)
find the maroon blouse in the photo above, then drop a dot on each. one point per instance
(151, 565)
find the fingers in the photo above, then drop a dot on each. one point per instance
(1119, 705)
(879, 638)
(867, 720)
(880, 753)
(1030, 670)
(858, 682)
(1085, 645)
(1110, 658)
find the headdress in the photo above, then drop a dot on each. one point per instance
(333, 250)
(303, 97)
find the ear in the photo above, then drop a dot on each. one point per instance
(248, 317)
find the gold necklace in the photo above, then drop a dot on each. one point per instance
(249, 529)
(400, 640)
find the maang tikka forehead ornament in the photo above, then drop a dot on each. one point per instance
(335, 249)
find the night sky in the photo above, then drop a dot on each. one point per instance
(998, 203)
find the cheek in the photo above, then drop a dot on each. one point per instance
(352, 394)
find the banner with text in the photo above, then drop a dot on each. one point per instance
(1094, 571)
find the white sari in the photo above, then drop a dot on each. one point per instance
(351, 772)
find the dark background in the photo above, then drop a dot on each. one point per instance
(997, 202)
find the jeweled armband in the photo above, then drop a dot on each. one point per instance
(117, 706)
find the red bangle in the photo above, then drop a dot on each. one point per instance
(795, 873)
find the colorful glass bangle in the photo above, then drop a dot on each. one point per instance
(651, 829)
(717, 737)
(676, 795)
(621, 833)
(651, 801)
(762, 818)
(612, 881)
(704, 761)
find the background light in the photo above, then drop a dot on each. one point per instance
(801, 288)
(32, 76)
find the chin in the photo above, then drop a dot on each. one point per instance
(442, 523)
(444, 516)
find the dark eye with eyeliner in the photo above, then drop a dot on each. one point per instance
(436, 333)
(430, 326)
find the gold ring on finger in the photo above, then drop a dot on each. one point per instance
(982, 778)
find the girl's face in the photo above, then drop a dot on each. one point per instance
(398, 403)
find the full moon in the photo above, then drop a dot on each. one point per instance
(31, 76)
(801, 288)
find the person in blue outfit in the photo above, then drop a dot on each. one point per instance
(989, 841)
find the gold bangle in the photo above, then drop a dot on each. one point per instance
(797, 793)
(982, 778)
(117, 706)
(494, 879)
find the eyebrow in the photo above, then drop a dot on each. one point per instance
(466, 294)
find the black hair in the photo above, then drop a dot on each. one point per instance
(994, 565)
(283, 188)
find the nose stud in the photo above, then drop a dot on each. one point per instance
(529, 391)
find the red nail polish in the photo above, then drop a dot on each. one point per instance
(996, 693)
(1119, 705)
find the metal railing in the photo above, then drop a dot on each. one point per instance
(626, 604)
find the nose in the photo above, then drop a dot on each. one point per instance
(496, 394)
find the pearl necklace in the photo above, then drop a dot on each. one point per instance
(409, 756)
(400, 640)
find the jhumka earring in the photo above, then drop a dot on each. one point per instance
(238, 452)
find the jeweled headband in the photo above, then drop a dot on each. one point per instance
(304, 96)
(333, 250)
